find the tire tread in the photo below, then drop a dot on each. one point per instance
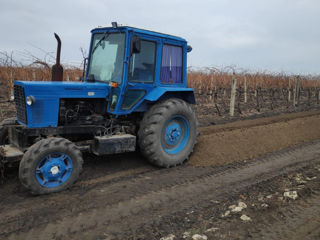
(149, 125)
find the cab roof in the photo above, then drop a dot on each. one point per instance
(139, 30)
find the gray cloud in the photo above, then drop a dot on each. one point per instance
(277, 35)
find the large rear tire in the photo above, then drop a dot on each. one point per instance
(168, 132)
(50, 165)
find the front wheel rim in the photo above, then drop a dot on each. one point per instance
(175, 134)
(54, 170)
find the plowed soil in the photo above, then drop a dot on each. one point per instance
(122, 197)
(249, 139)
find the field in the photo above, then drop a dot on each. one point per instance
(254, 173)
(251, 179)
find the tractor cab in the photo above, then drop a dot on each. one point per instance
(138, 65)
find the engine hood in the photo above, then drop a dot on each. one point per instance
(44, 112)
(64, 89)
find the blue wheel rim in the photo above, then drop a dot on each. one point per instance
(175, 134)
(54, 170)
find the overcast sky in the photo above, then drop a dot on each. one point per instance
(274, 35)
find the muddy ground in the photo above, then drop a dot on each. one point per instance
(251, 179)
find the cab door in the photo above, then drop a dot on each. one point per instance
(141, 73)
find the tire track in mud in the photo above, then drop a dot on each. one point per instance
(129, 209)
(242, 124)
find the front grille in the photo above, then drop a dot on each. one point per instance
(19, 99)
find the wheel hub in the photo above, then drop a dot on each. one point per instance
(54, 170)
(173, 133)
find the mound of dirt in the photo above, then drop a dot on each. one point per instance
(249, 139)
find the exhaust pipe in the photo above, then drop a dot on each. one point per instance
(57, 69)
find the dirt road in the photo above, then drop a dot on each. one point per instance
(235, 166)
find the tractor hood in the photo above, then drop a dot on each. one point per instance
(46, 97)
(64, 89)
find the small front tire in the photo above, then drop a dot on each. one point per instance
(50, 165)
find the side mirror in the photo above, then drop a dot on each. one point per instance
(135, 44)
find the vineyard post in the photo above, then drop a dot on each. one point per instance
(33, 75)
(295, 91)
(245, 89)
(10, 83)
(289, 90)
(211, 89)
(255, 86)
(309, 96)
(233, 95)
(298, 92)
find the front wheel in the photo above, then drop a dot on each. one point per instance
(168, 133)
(50, 165)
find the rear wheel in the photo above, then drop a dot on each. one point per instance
(168, 133)
(50, 165)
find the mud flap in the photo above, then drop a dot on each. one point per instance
(113, 144)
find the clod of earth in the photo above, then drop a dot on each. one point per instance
(169, 237)
(269, 196)
(245, 218)
(199, 237)
(239, 208)
(242, 204)
(212, 229)
(227, 213)
(186, 235)
(310, 179)
(291, 194)
(232, 207)
(299, 179)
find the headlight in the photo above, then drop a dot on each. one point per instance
(30, 100)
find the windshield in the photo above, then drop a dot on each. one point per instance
(107, 56)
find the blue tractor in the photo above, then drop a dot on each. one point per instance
(134, 95)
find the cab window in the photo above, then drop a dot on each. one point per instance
(142, 64)
(171, 64)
